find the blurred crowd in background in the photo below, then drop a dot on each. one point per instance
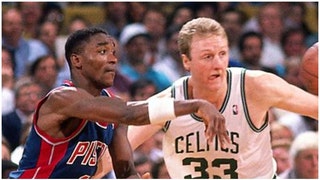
(269, 36)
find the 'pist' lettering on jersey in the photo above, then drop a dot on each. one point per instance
(88, 152)
(193, 142)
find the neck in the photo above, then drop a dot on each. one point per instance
(215, 97)
(86, 85)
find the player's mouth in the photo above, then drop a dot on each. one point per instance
(110, 69)
(214, 76)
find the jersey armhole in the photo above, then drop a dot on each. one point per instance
(246, 110)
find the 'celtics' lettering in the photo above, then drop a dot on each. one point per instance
(193, 142)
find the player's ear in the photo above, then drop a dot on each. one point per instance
(186, 62)
(76, 60)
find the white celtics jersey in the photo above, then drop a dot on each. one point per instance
(249, 155)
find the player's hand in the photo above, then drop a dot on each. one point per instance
(215, 123)
(146, 175)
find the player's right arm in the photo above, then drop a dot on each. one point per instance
(137, 135)
(70, 102)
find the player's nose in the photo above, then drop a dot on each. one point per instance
(112, 59)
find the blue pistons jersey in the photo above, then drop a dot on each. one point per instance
(75, 156)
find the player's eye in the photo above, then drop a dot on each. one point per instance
(223, 53)
(102, 51)
(207, 57)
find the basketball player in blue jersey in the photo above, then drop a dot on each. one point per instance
(244, 98)
(75, 124)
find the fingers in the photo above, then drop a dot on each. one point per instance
(211, 130)
(223, 137)
(217, 128)
(146, 175)
(209, 133)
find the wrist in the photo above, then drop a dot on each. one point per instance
(161, 110)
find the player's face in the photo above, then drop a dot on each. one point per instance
(209, 60)
(99, 64)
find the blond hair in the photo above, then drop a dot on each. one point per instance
(200, 26)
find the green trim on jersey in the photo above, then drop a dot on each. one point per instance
(186, 96)
(245, 107)
(226, 99)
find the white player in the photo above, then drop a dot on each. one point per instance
(242, 96)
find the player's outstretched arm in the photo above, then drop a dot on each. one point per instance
(272, 91)
(300, 101)
(162, 109)
(76, 103)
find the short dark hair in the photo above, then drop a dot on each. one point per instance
(76, 40)
(246, 35)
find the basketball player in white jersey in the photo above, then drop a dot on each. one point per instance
(242, 96)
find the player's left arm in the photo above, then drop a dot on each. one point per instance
(299, 101)
(121, 154)
(276, 92)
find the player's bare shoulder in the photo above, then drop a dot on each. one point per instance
(63, 96)
(264, 84)
(59, 99)
(263, 78)
(258, 78)
(51, 113)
